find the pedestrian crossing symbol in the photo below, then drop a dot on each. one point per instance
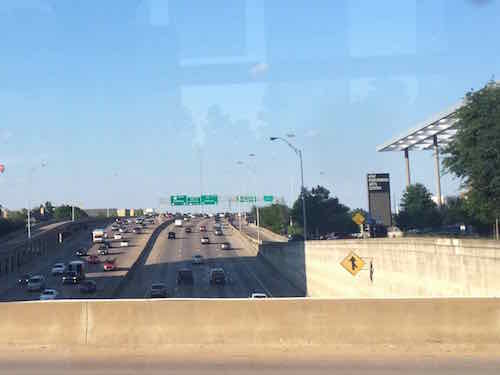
(352, 263)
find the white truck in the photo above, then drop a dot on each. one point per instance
(178, 222)
(98, 235)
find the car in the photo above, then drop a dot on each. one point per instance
(109, 265)
(103, 246)
(258, 295)
(217, 276)
(58, 269)
(205, 240)
(185, 276)
(118, 236)
(171, 235)
(158, 290)
(88, 286)
(225, 246)
(203, 228)
(295, 238)
(188, 230)
(121, 230)
(114, 228)
(136, 230)
(48, 294)
(218, 232)
(72, 277)
(197, 259)
(93, 259)
(36, 283)
(103, 251)
(23, 280)
(82, 252)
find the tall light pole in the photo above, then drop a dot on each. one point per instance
(254, 172)
(30, 178)
(298, 152)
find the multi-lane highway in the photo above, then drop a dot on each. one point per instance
(245, 272)
(107, 281)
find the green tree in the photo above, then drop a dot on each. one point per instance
(325, 214)
(64, 213)
(473, 155)
(417, 209)
(274, 217)
(49, 209)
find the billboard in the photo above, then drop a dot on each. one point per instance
(379, 197)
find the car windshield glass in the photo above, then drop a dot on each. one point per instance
(341, 157)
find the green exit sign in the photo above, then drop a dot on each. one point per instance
(193, 201)
(268, 198)
(209, 199)
(178, 200)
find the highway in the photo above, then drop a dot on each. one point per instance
(246, 273)
(251, 230)
(107, 281)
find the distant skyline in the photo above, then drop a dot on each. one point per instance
(122, 98)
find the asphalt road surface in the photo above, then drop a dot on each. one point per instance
(244, 361)
(246, 273)
(107, 281)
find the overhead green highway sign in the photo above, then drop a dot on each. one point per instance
(209, 199)
(268, 198)
(193, 201)
(246, 198)
(178, 200)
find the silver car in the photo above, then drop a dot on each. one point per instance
(36, 283)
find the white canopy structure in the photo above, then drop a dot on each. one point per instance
(437, 131)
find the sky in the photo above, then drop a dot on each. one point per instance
(125, 102)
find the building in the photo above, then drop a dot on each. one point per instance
(123, 212)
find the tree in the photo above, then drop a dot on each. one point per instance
(274, 217)
(64, 212)
(474, 153)
(49, 209)
(417, 209)
(325, 214)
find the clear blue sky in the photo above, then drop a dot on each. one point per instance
(121, 98)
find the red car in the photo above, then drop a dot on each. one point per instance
(109, 265)
(203, 228)
(93, 259)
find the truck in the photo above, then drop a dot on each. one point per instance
(178, 222)
(98, 235)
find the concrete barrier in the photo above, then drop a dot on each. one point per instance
(400, 267)
(141, 258)
(270, 234)
(272, 322)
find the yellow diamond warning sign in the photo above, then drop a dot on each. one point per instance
(358, 218)
(352, 263)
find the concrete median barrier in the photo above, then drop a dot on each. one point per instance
(280, 322)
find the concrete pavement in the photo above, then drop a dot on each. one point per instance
(107, 281)
(246, 273)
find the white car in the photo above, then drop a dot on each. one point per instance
(197, 259)
(58, 269)
(48, 294)
(258, 295)
(118, 236)
(205, 240)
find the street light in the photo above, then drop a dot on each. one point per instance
(30, 178)
(298, 152)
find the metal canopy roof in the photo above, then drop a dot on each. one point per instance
(422, 137)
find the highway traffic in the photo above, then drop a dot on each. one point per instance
(245, 273)
(103, 268)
